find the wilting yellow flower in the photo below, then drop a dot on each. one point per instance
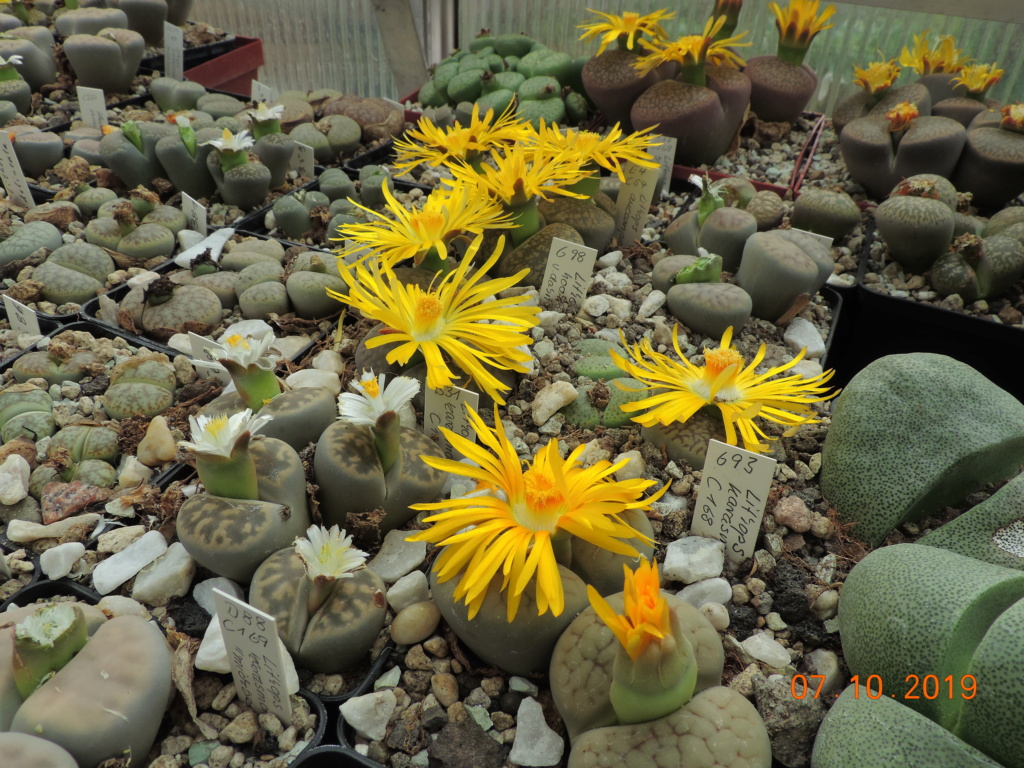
(608, 151)
(695, 50)
(455, 318)
(979, 78)
(510, 531)
(645, 616)
(629, 25)
(432, 145)
(878, 76)
(521, 172)
(1013, 117)
(901, 116)
(741, 394)
(925, 60)
(799, 22)
(404, 234)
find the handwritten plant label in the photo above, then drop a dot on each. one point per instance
(204, 359)
(733, 491)
(250, 637)
(568, 273)
(21, 318)
(93, 106)
(302, 160)
(195, 213)
(11, 175)
(446, 407)
(665, 156)
(261, 92)
(634, 199)
(825, 239)
(174, 51)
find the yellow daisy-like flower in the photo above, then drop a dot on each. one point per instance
(435, 146)
(799, 22)
(455, 318)
(510, 531)
(521, 172)
(608, 151)
(979, 78)
(901, 116)
(723, 381)
(878, 76)
(404, 234)
(925, 60)
(645, 617)
(1013, 117)
(695, 50)
(629, 25)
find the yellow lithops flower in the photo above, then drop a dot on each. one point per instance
(456, 320)
(901, 116)
(401, 234)
(510, 530)
(925, 60)
(629, 26)
(979, 78)
(877, 76)
(681, 389)
(645, 617)
(427, 143)
(695, 50)
(520, 173)
(799, 22)
(608, 151)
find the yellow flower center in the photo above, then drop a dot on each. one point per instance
(428, 225)
(629, 21)
(371, 388)
(236, 340)
(216, 426)
(543, 501)
(901, 115)
(717, 360)
(426, 316)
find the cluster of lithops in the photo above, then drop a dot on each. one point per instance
(499, 71)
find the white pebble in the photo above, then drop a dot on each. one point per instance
(764, 649)
(117, 569)
(556, 395)
(411, 588)
(329, 360)
(693, 559)
(397, 557)
(706, 591)
(58, 561)
(634, 467)
(802, 334)
(14, 475)
(655, 300)
(717, 614)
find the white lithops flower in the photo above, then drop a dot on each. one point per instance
(13, 60)
(328, 554)
(230, 142)
(246, 350)
(375, 399)
(217, 435)
(264, 114)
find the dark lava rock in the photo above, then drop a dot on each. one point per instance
(789, 597)
(810, 632)
(466, 745)
(742, 620)
(433, 719)
(791, 723)
(188, 617)
(509, 702)
(97, 385)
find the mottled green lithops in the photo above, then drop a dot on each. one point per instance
(300, 416)
(307, 292)
(54, 367)
(826, 212)
(911, 433)
(329, 607)
(88, 441)
(141, 386)
(710, 308)
(917, 230)
(28, 239)
(25, 411)
(600, 405)
(977, 268)
(74, 273)
(191, 305)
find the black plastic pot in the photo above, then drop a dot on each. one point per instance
(332, 756)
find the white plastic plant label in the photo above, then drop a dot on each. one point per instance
(633, 202)
(250, 637)
(195, 213)
(446, 407)
(302, 160)
(730, 503)
(261, 92)
(11, 175)
(174, 51)
(21, 318)
(204, 359)
(93, 106)
(213, 243)
(823, 238)
(665, 156)
(568, 273)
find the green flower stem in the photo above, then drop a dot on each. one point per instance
(561, 545)
(261, 128)
(433, 262)
(255, 385)
(188, 138)
(9, 73)
(659, 682)
(45, 642)
(387, 435)
(693, 74)
(21, 12)
(71, 5)
(233, 477)
(229, 159)
(589, 185)
(526, 216)
(791, 53)
(131, 132)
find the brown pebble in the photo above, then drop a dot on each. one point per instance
(436, 646)
(417, 659)
(415, 623)
(445, 689)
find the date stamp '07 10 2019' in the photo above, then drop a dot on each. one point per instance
(915, 687)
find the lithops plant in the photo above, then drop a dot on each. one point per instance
(511, 606)
(143, 385)
(696, 295)
(173, 95)
(934, 446)
(272, 147)
(781, 85)
(61, 657)
(991, 166)
(979, 268)
(826, 212)
(74, 273)
(13, 87)
(163, 309)
(367, 460)
(936, 64)
(56, 364)
(780, 267)
(89, 21)
(329, 607)
(107, 60)
(35, 46)
(255, 499)
(970, 85)
(27, 239)
(877, 94)
(241, 183)
(131, 151)
(26, 411)
(183, 160)
(117, 228)
(917, 230)
(650, 660)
